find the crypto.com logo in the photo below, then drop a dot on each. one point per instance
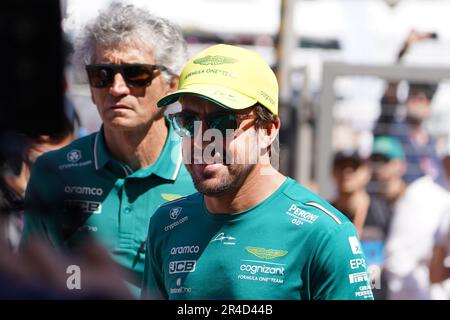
(213, 147)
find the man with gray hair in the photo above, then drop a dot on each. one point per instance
(108, 184)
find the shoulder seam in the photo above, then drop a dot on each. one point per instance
(173, 201)
(328, 212)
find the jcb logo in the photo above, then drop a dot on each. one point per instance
(182, 266)
(84, 206)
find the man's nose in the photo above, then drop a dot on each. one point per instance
(119, 86)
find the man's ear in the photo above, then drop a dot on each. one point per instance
(269, 133)
(173, 84)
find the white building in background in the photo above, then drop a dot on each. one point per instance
(368, 32)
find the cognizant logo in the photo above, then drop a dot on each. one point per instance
(83, 190)
(254, 269)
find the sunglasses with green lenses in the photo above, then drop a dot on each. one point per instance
(135, 74)
(184, 123)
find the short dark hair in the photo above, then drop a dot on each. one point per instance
(263, 116)
(348, 157)
(428, 89)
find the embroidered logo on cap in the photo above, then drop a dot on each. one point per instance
(214, 60)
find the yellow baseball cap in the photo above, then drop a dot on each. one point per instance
(230, 76)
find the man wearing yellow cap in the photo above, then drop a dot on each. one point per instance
(250, 232)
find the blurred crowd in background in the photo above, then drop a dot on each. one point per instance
(390, 166)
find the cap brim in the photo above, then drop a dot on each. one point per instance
(222, 96)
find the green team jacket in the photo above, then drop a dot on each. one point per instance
(80, 189)
(293, 245)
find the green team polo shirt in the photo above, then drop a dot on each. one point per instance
(292, 246)
(81, 189)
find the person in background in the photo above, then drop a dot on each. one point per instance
(352, 174)
(390, 104)
(418, 145)
(108, 184)
(369, 212)
(417, 209)
(38, 270)
(405, 121)
(440, 260)
(20, 153)
(387, 166)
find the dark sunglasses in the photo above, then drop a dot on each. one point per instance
(379, 159)
(184, 122)
(348, 163)
(135, 74)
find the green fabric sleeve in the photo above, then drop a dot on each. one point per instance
(339, 272)
(40, 201)
(153, 281)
